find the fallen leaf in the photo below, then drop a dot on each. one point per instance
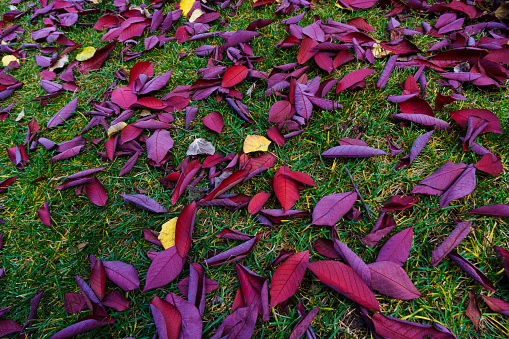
(255, 143)
(86, 53)
(167, 234)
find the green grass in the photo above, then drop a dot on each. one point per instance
(35, 258)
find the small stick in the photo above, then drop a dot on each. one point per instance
(357, 190)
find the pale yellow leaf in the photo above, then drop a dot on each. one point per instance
(114, 129)
(185, 6)
(86, 53)
(196, 14)
(254, 143)
(167, 235)
(59, 63)
(378, 51)
(6, 60)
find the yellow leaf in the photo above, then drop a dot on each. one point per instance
(6, 60)
(378, 51)
(185, 6)
(196, 14)
(255, 143)
(116, 128)
(86, 53)
(167, 235)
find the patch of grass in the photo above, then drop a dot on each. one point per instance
(35, 258)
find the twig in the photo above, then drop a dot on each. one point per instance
(357, 190)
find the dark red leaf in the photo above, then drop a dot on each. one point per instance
(461, 117)
(98, 59)
(353, 78)
(497, 305)
(257, 202)
(490, 164)
(214, 121)
(287, 277)
(98, 279)
(234, 75)
(184, 229)
(44, 214)
(124, 97)
(307, 50)
(472, 310)
(226, 184)
(166, 317)
(96, 192)
(394, 328)
(344, 280)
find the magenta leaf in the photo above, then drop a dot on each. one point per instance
(158, 145)
(461, 117)
(44, 214)
(257, 202)
(214, 121)
(280, 111)
(240, 324)
(497, 305)
(191, 320)
(383, 226)
(74, 303)
(80, 327)
(287, 278)
(331, 208)
(390, 279)
(96, 192)
(440, 180)
(353, 78)
(353, 260)
(253, 290)
(302, 326)
(98, 279)
(397, 248)
(8, 326)
(394, 328)
(143, 202)
(459, 233)
(165, 267)
(344, 280)
(124, 97)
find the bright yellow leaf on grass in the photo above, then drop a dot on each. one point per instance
(254, 143)
(167, 235)
(6, 60)
(185, 6)
(86, 53)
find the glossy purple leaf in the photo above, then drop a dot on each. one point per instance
(302, 326)
(143, 202)
(65, 113)
(44, 214)
(158, 145)
(463, 186)
(156, 84)
(123, 275)
(165, 267)
(167, 318)
(394, 328)
(233, 254)
(331, 208)
(352, 151)
(240, 324)
(497, 210)
(459, 233)
(80, 327)
(74, 303)
(440, 180)
(418, 145)
(34, 305)
(390, 279)
(423, 119)
(397, 248)
(471, 270)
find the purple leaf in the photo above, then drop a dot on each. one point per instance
(96, 192)
(418, 145)
(165, 267)
(497, 210)
(383, 226)
(80, 327)
(240, 324)
(34, 305)
(352, 151)
(123, 275)
(302, 326)
(191, 320)
(440, 180)
(74, 303)
(397, 248)
(497, 305)
(143, 202)
(386, 73)
(463, 186)
(353, 78)
(471, 270)
(390, 279)
(44, 215)
(65, 113)
(166, 317)
(214, 121)
(354, 261)
(116, 300)
(423, 119)
(156, 84)
(253, 290)
(459, 233)
(331, 208)
(158, 145)
(233, 254)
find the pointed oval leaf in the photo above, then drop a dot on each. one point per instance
(165, 267)
(352, 151)
(397, 248)
(214, 121)
(96, 192)
(390, 279)
(331, 208)
(184, 229)
(234, 75)
(287, 277)
(143, 202)
(123, 275)
(459, 233)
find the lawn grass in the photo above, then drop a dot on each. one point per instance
(36, 258)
